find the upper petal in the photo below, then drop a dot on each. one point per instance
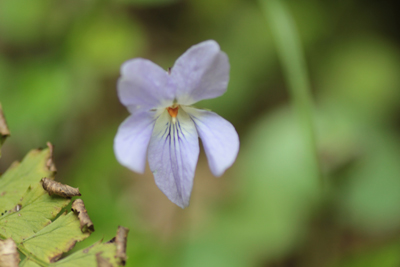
(219, 138)
(202, 72)
(144, 84)
(173, 153)
(132, 140)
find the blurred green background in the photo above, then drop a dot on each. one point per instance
(59, 62)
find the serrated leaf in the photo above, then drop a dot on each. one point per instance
(32, 213)
(27, 210)
(87, 257)
(14, 182)
(60, 236)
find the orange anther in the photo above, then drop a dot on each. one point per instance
(173, 112)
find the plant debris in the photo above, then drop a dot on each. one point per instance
(4, 132)
(56, 188)
(102, 262)
(120, 241)
(9, 256)
(86, 223)
(50, 163)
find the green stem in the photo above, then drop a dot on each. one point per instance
(292, 59)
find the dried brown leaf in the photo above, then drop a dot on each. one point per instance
(4, 132)
(9, 256)
(79, 207)
(56, 188)
(120, 241)
(102, 262)
(50, 163)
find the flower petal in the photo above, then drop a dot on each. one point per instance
(144, 84)
(202, 72)
(132, 140)
(173, 153)
(219, 138)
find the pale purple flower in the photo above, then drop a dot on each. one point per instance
(164, 126)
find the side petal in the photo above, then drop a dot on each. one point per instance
(202, 72)
(144, 84)
(219, 138)
(132, 140)
(173, 153)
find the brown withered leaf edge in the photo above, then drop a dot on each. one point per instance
(102, 262)
(56, 188)
(79, 207)
(120, 242)
(50, 163)
(9, 256)
(4, 132)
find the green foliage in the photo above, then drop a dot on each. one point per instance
(25, 222)
(20, 176)
(369, 81)
(294, 67)
(29, 217)
(86, 256)
(386, 256)
(58, 237)
(24, 27)
(147, 2)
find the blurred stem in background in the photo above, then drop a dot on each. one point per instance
(290, 54)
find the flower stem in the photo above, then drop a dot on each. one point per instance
(291, 56)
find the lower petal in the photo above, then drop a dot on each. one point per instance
(173, 153)
(219, 138)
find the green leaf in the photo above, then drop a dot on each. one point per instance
(27, 210)
(28, 263)
(87, 256)
(15, 181)
(32, 213)
(60, 236)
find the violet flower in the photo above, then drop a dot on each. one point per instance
(164, 126)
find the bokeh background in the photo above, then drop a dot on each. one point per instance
(59, 62)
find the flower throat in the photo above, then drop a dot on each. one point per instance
(173, 111)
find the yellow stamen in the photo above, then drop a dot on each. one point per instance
(173, 112)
